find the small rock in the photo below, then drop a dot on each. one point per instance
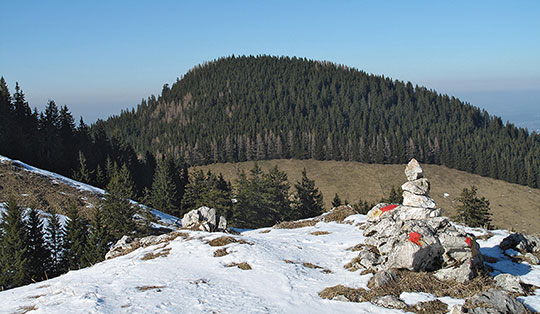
(222, 223)
(341, 298)
(531, 259)
(419, 187)
(413, 170)
(382, 278)
(497, 302)
(389, 301)
(461, 273)
(509, 283)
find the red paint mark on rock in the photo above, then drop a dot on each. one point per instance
(468, 241)
(415, 238)
(388, 208)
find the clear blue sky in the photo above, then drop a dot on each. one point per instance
(99, 57)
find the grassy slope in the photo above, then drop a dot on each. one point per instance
(514, 207)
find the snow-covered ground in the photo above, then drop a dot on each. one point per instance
(191, 280)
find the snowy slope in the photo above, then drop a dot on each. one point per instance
(191, 280)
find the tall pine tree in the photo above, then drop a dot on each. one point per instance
(14, 265)
(39, 256)
(54, 236)
(74, 241)
(308, 200)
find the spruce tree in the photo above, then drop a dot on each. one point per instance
(74, 241)
(473, 210)
(98, 240)
(336, 201)
(163, 195)
(394, 197)
(54, 236)
(308, 200)
(118, 210)
(39, 256)
(14, 263)
(82, 174)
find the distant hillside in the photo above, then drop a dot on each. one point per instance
(513, 206)
(257, 108)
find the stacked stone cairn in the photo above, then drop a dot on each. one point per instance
(414, 236)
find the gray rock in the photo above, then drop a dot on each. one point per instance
(368, 257)
(531, 259)
(419, 186)
(497, 302)
(414, 213)
(413, 170)
(191, 218)
(382, 278)
(413, 257)
(389, 301)
(509, 283)
(521, 242)
(209, 215)
(461, 273)
(341, 298)
(413, 200)
(222, 223)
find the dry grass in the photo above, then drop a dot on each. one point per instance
(25, 309)
(224, 240)
(44, 286)
(36, 296)
(220, 252)
(318, 233)
(512, 205)
(296, 224)
(156, 253)
(243, 265)
(430, 307)
(265, 231)
(339, 214)
(310, 265)
(146, 288)
(352, 294)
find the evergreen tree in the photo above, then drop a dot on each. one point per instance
(82, 174)
(55, 234)
(74, 240)
(336, 201)
(394, 197)
(118, 210)
(38, 254)
(308, 201)
(14, 263)
(98, 241)
(163, 195)
(473, 210)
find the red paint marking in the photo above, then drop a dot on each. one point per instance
(388, 208)
(415, 237)
(468, 241)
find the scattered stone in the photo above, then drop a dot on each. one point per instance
(127, 244)
(531, 259)
(509, 283)
(204, 219)
(494, 301)
(389, 301)
(382, 278)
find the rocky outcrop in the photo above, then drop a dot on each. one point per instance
(204, 219)
(129, 244)
(493, 301)
(415, 236)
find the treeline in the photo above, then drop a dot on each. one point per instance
(253, 108)
(51, 140)
(33, 248)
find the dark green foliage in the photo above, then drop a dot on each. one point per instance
(99, 240)
(473, 210)
(394, 197)
(208, 190)
(54, 236)
(336, 201)
(250, 108)
(168, 187)
(14, 264)
(308, 200)
(82, 174)
(118, 210)
(362, 207)
(38, 254)
(74, 240)
(262, 199)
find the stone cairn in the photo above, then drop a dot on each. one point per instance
(415, 236)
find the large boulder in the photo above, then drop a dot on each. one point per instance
(413, 170)
(521, 242)
(205, 219)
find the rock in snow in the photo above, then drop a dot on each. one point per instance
(204, 219)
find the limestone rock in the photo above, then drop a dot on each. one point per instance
(120, 247)
(204, 219)
(461, 273)
(382, 278)
(496, 301)
(521, 242)
(390, 301)
(413, 170)
(509, 283)
(378, 211)
(414, 200)
(531, 259)
(418, 187)
(413, 213)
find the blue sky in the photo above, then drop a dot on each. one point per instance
(99, 57)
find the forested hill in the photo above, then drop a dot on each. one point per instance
(253, 108)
